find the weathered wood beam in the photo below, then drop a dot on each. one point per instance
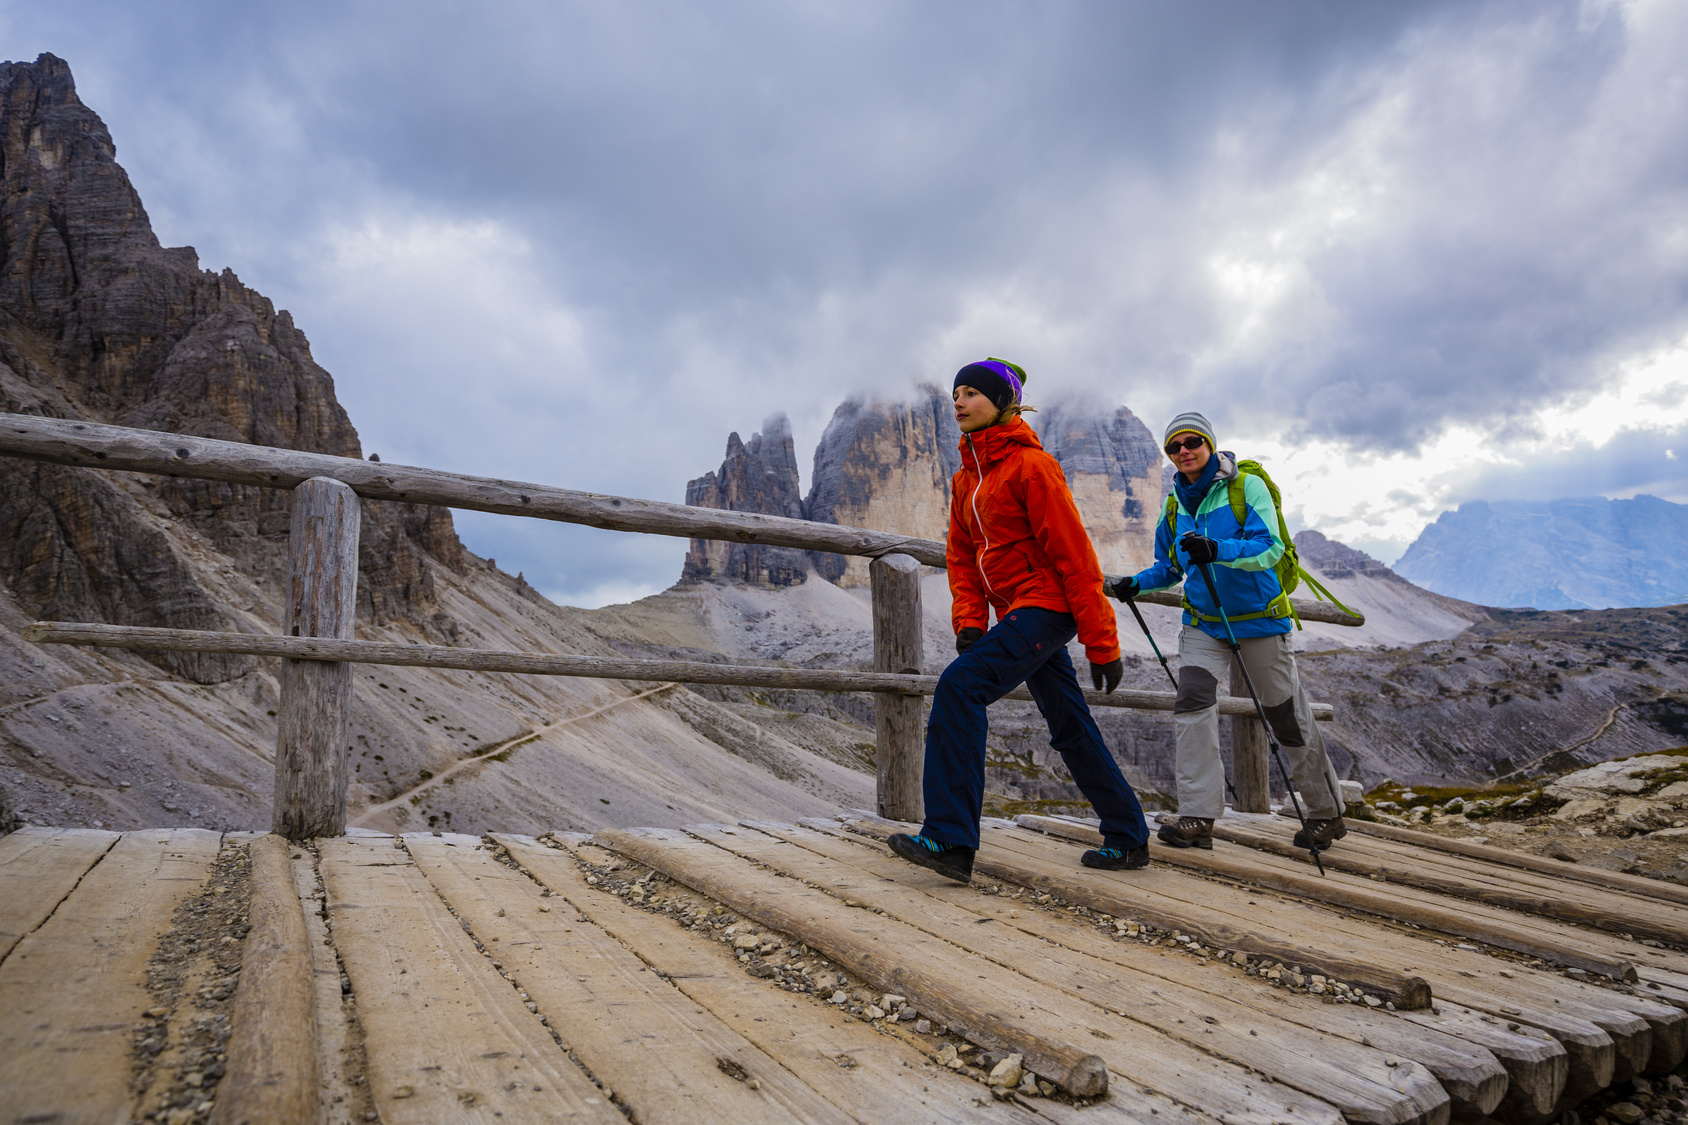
(1645, 918)
(95, 446)
(883, 952)
(1124, 899)
(1242, 868)
(272, 1064)
(552, 664)
(898, 636)
(90, 445)
(312, 759)
(1559, 869)
(1250, 770)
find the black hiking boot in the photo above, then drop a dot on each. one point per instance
(1113, 859)
(952, 861)
(1188, 832)
(1322, 833)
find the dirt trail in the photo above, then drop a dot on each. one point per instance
(373, 811)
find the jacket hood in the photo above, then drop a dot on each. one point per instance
(1227, 466)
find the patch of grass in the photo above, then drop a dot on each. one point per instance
(1493, 803)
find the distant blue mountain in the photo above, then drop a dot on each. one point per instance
(1559, 554)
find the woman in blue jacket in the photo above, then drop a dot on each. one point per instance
(1242, 554)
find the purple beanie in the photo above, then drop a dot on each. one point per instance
(998, 380)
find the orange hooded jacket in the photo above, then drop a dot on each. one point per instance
(1016, 539)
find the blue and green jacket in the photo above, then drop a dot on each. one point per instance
(1248, 551)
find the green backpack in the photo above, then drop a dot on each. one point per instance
(1288, 568)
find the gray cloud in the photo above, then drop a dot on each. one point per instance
(579, 243)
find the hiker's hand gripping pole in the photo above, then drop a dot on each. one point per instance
(1271, 737)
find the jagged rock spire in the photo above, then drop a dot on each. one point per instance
(760, 476)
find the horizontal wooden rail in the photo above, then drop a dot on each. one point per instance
(552, 664)
(90, 445)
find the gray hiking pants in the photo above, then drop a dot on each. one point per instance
(1205, 675)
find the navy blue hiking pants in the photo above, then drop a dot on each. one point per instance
(1028, 646)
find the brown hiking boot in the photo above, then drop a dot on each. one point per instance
(1188, 832)
(1322, 833)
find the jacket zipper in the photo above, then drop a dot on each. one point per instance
(978, 521)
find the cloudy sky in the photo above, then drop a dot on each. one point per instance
(1415, 253)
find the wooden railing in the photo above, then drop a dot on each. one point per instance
(318, 648)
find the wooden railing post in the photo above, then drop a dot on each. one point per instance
(1250, 771)
(312, 765)
(897, 630)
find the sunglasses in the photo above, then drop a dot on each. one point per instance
(1194, 441)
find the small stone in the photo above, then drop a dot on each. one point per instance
(946, 1055)
(746, 941)
(754, 1083)
(875, 1012)
(404, 1091)
(891, 1001)
(1028, 1086)
(923, 1027)
(1047, 1089)
(1373, 1002)
(157, 1013)
(840, 997)
(1008, 1072)
(501, 912)
(543, 909)
(1625, 1113)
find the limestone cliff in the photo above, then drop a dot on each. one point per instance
(99, 321)
(758, 477)
(884, 465)
(1113, 467)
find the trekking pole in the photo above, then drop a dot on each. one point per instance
(1271, 736)
(1144, 625)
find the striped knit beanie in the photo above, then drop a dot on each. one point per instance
(1190, 423)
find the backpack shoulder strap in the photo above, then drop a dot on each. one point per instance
(1239, 502)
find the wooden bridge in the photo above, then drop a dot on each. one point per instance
(687, 976)
(772, 972)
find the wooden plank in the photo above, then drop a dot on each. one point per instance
(1351, 1076)
(1251, 771)
(826, 925)
(447, 1038)
(635, 1032)
(1507, 857)
(90, 445)
(38, 868)
(1611, 1009)
(898, 639)
(73, 990)
(1578, 904)
(1291, 876)
(1144, 895)
(340, 1101)
(1536, 1063)
(988, 1004)
(272, 1061)
(1472, 1075)
(888, 1081)
(552, 664)
(1535, 998)
(312, 759)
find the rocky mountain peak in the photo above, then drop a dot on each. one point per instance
(99, 322)
(884, 464)
(1338, 560)
(758, 476)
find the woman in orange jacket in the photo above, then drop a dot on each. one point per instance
(1017, 546)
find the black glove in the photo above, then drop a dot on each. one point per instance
(965, 639)
(1200, 548)
(1111, 673)
(1126, 589)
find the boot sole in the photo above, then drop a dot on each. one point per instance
(1204, 842)
(920, 857)
(1122, 866)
